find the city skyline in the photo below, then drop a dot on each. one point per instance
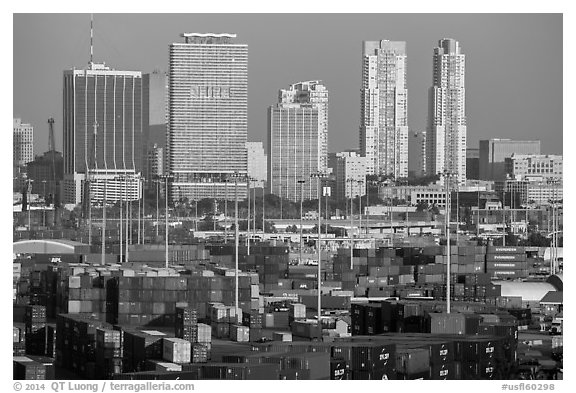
(540, 109)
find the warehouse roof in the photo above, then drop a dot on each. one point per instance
(553, 297)
(50, 246)
(529, 291)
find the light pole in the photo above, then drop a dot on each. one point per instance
(326, 218)
(127, 217)
(104, 201)
(319, 176)
(351, 224)
(368, 184)
(139, 203)
(226, 210)
(157, 181)
(116, 178)
(196, 215)
(263, 211)
(236, 176)
(29, 192)
(457, 210)
(254, 211)
(447, 184)
(166, 177)
(361, 184)
(143, 183)
(301, 182)
(248, 217)
(44, 205)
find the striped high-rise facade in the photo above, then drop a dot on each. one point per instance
(104, 119)
(207, 115)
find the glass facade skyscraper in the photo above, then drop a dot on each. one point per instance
(207, 115)
(297, 140)
(104, 116)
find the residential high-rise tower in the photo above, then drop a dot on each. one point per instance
(446, 133)
(384, 108)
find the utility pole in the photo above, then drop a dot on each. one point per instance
(351, 223)
(361, 184)
(157, 206)
(90, 178)
(248, 217)
(301, 182)
(127, 217)
(226, 210)
(320, 176)
(236, 176)
(104, 201)
(44, 204)
(166, 177)
(447, 187)
(117, 178)
(143, 183)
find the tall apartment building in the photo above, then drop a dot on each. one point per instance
(351, 171)
(384, 108)
(297, 140)
(526, 167)
(494, 152)
(23, 143)
(104, 122)
(207, 115)
(446, 133)
(257, 164)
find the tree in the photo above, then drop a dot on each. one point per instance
(422, 206)
(292, 229)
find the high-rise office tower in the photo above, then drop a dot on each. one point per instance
(207, 115)
(257, 164)
(384, 108)
(103, 128)
(446, 133)
(23, 143)
(297, 140)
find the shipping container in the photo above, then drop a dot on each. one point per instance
(176, 350)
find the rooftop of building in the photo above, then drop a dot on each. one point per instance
(208, 38)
